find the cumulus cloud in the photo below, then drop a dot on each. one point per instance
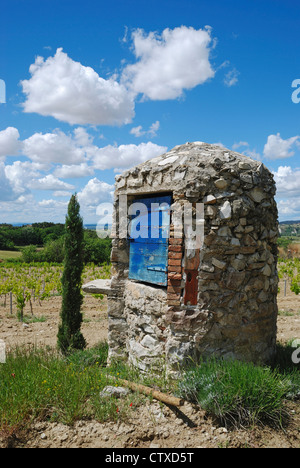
(287, 181)
(169, 63)
(21, 175)
(125, 156)
(289, 208)
(54, 147)
(50, 182)
(70, 92)
(10, 144)
(52, 204)
(74, 171)
(278, 148)
(95, 192)
(7, 192)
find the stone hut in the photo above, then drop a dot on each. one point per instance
(172, 298)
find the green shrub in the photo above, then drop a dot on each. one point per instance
(237, 393)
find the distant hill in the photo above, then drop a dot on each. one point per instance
(289, 228)
(289, 222)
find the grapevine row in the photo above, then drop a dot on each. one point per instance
(28, 283)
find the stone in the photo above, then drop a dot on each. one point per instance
(169, 160)
(221, 184)
(149, 342)
(247, 178)
(238, 264)
(267, 270)
(244, 165)
(225, 210)
(98, 287)
(224, 232)
(257, 195)
(235, 241)
(219, 264)
(235, 280)
(117, 392)
(210, 200)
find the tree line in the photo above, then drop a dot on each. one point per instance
(44, 242)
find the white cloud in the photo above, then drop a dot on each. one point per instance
(289, 208)
(62, 193)
(74, 171)
(125, 156)
(21, 175)
(9, 142)
(251, 153)
(240, 144)
(95, 192)
(50, 182)
(152, 132)
(231, 78)
(70, 92)
(137, 131)
(54, 147)
(278, 148)
(52, 204)
(287, 181)
(7, 192)
(169, 63)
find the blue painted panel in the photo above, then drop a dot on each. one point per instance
(149, 236)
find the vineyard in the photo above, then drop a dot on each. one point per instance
(289, 272)
(23, 283)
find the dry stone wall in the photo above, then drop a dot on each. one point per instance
(236, 311)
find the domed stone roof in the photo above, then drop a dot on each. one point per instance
(199, 169)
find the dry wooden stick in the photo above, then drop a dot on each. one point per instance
(168, 399)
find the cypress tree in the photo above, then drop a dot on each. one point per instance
(69, 334)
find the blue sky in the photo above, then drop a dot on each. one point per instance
(93, 88)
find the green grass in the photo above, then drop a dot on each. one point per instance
(7, 255)
(40, 384)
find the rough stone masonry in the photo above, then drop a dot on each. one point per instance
(235, 311)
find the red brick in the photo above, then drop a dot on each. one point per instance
(177, 255)
(175, 268)
(175, 297)
(174, 261)
(173, 303)
(174, 289)
(175, 248)
(173, 241)
(174, 276)
(174, 283)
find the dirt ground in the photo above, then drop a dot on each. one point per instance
(162, 427)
